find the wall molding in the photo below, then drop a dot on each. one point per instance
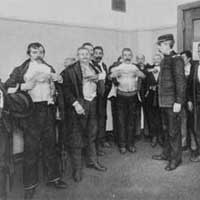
(76, 25)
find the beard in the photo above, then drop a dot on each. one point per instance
(98, 59)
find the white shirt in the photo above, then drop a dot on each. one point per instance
(89, 86)
(187, 69)
(44, 86)
(102, 74)
(198, 73)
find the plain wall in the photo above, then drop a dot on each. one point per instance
(60, 41)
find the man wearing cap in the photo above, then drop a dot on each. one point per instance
(38, 79)
(171, 94)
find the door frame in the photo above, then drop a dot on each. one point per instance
(180, 22)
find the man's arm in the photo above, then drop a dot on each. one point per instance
(179, 79)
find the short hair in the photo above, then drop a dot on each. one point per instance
(126, 49)
(98, 47)
(87, 44)
(34, 45)
(187, 53)
(82, 48)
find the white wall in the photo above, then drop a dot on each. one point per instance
(60, 41)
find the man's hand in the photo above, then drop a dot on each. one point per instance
(176, 107)
(57, 77)
(78, 108)
(190, 106)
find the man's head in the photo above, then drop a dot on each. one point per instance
(69, 61)
(157, 59)
(83, 55)
(187, 56)
(36, 51)
(127, 55)
(165, 44)
(140, 59)
(98, 53)
(90, 47)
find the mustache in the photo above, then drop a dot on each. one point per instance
(127, 59)
(39, 59)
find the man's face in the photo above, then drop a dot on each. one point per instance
(157, 60)
(185, 59)
(84, 56)
(140, 60)
(127, 56)
(36, 54)
(98, 55)
(90, 49)
(164, 47)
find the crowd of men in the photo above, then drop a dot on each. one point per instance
(166, 95)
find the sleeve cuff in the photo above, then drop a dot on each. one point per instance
(75, 103)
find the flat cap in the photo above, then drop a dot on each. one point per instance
(165, 37)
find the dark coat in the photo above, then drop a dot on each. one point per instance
(172, 82)
(73, 91)
(192, 90)
(17, 75)
(151, 96)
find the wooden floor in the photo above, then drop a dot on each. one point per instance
(129, 177)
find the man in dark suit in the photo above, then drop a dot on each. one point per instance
(194, 104)
(81, 86)
(171, 94)
(153, 113)
(187, 118)
(38, 79)
(102, 101)
(141, 107)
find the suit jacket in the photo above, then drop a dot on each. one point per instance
(192, 90)
(17, 75)
(151, 95)
(72, 85)
(172, 82)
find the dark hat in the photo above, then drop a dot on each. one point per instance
(19, 104)
(165, 37)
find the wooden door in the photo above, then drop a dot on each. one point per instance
(188, 25)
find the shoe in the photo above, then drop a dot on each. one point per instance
(58, 184)
(77, 176)
(101, 153)
(195, 158)
(172, 165)
(122, 150)
(154, 142)
(29, 194)
(159, 157)
(132, 149)
(97, 167)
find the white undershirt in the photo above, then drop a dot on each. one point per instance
(43, 88)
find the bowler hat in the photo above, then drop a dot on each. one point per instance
(166, 37)
(18, 104)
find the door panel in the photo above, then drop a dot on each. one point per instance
(191, 31)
